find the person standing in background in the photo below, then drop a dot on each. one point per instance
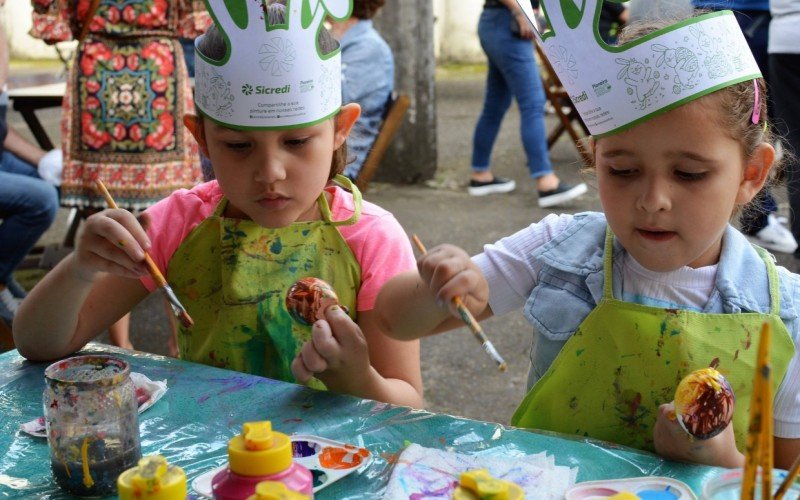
(784, 79)
(28, 204)
(760, 223)
(612, 17)
(127, 93)
(367, 77)
(505, 37)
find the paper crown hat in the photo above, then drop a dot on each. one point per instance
(616, 87)
(272, 76)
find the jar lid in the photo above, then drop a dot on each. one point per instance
(275, 490)
(92, 370)
(259, 451)
(152, 478)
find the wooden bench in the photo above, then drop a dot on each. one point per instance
(395, 111)
(569, 119)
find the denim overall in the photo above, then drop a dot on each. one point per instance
(626, 359)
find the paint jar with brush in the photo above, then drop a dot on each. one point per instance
(92, 423)
(256, 455)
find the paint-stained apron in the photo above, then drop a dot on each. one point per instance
(232, 275)
(626, 359)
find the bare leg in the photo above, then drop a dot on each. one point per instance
(119, 332)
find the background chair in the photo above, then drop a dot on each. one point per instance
(396, 109)
(570, 120)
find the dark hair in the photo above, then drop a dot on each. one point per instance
(366, 9)
(732, 106)
(212, 45)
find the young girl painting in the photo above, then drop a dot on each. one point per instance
(626, 302)
(278, 211)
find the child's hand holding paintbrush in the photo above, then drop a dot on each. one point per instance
(437, 297)
(149, 266)
(467, 316)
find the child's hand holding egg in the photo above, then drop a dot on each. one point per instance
(308, 299)
(704, 403)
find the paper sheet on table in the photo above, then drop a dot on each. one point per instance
(427, 473)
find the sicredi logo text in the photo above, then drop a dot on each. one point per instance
(248, 89)
(579, 98)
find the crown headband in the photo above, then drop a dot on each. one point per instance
(272, 76)
(616, 87)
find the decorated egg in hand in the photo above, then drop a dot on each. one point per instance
(308, 298)
(704, 403)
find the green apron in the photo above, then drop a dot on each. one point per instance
(626, 359)
(232, 276)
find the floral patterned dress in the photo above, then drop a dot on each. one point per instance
(126, 96)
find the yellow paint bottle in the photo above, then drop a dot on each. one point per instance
(153, 479)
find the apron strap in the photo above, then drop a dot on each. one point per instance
(774, 282)
(608, 260)
(346, 183)
(772, 273)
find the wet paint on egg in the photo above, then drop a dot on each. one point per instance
(704, 403)
(308, 299)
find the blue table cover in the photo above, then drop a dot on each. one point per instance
(205, 406)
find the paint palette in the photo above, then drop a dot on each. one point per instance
(327, 460)
(644, 488)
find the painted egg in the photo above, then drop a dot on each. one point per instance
(704, 403)
(308, 298)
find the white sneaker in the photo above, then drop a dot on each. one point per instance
(775, 236)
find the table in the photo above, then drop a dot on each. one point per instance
(206, 406)
(27, 100)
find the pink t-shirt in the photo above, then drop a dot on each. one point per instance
(377, 240)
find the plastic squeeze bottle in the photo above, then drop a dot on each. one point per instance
(478, 484)
(153, 479)
(270, 490)
(259, 454)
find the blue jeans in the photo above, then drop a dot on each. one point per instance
(188, 55)
(28, 206)
(512, 72)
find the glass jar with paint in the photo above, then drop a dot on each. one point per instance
(728, 486)
(260, 454)
(154, 479)
(92, 423)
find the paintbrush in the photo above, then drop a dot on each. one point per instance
(177, 307)
(758, 454)
(470, 320)
(788, 480)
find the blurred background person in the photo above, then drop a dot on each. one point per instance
(505, 37)
(28, 203)
(612, 17)
(367, 77)
(784, 80)
(127, 92)
(761, 222)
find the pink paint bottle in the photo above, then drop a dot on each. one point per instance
(260, 454)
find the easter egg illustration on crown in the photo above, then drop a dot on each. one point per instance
(704, 403)
(308, 299)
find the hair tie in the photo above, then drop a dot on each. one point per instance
(756, 103)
